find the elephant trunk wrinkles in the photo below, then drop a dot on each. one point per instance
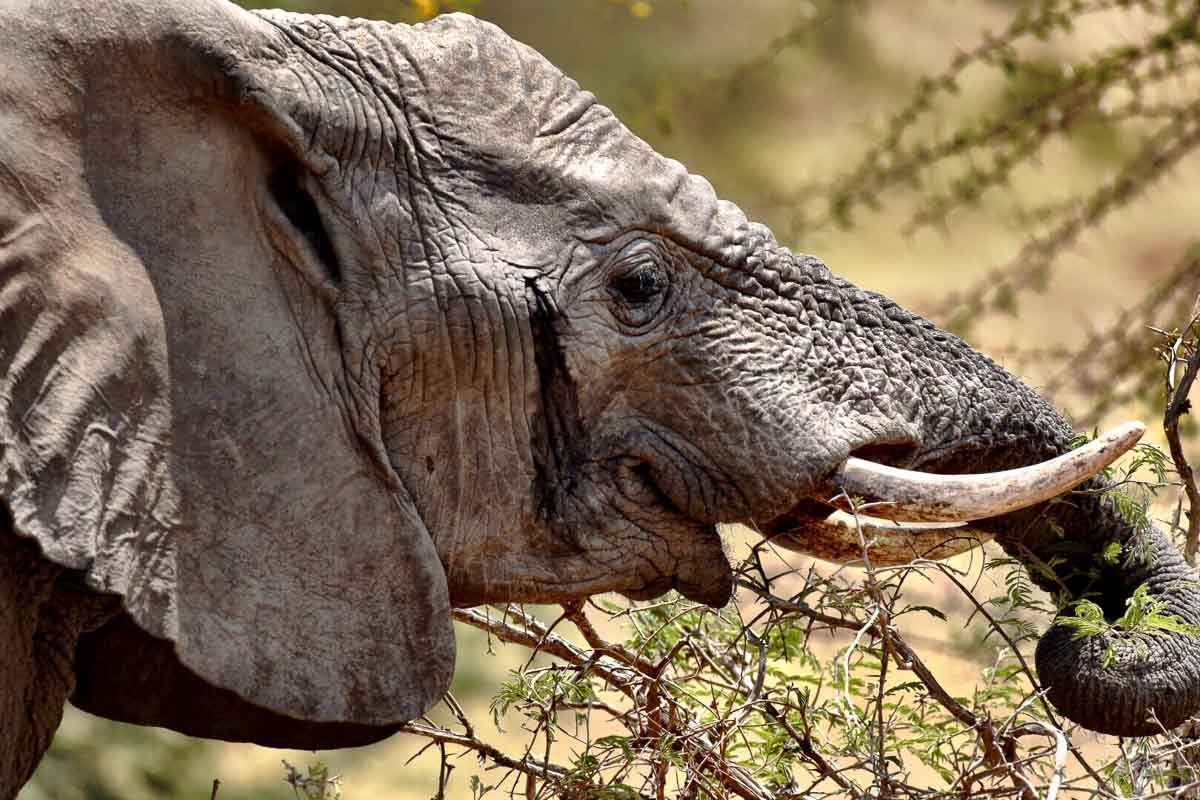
(944, 408)
(1122, 682)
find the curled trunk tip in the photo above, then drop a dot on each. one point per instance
(1131, 683)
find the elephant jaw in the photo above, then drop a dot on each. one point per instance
(941, 504)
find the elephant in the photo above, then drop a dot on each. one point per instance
(313, 329)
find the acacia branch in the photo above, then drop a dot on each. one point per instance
(527, 766)
(536, 636)
(908, 660)
(1159, 154)
(579, 619)
(646, 691)
(1178, 404)
(804, 742)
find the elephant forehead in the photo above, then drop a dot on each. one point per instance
(532, 135)
(499, 125)
(592, 183)
(455, 83)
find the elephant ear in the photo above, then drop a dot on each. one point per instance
(177, 419)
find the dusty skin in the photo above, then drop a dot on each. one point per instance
(311, 329)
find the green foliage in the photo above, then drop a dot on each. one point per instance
(315, 783)
(688, 682)
(539, 693)
(1132, 496)
(1144, 614)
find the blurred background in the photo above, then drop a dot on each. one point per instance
(1030, 187)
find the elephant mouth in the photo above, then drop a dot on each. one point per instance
(907, 513)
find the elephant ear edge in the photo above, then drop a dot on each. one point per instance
(172, 408)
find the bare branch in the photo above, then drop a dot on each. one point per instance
(1179, 404)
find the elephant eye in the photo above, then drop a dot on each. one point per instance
(640, 292)
(640, 285)
(639, 282)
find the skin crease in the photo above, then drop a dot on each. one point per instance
(358, 322)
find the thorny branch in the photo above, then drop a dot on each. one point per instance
(654, 715)
(714, 707)
(467, 741)
(707, 714)
(1178, 404)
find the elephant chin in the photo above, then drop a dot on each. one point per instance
(707, 580)
(704, 576)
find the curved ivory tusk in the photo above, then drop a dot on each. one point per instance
(836, 539)
(900, 494)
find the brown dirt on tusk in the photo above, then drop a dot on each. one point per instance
(836, 539)
(900, 494)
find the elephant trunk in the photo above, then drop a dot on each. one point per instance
(1129, 680)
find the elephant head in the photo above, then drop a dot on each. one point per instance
(313, 328)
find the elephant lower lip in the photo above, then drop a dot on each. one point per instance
(702, 572)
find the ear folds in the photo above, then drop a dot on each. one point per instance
(175, 412)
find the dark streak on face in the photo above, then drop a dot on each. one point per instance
(556, 424)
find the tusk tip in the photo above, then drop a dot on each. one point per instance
(1122, 437)
(1134, 429)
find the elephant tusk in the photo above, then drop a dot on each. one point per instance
(836, 539)
(900, 494)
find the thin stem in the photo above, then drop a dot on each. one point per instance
(1178, 405)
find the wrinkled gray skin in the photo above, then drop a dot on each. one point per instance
(311, 329)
